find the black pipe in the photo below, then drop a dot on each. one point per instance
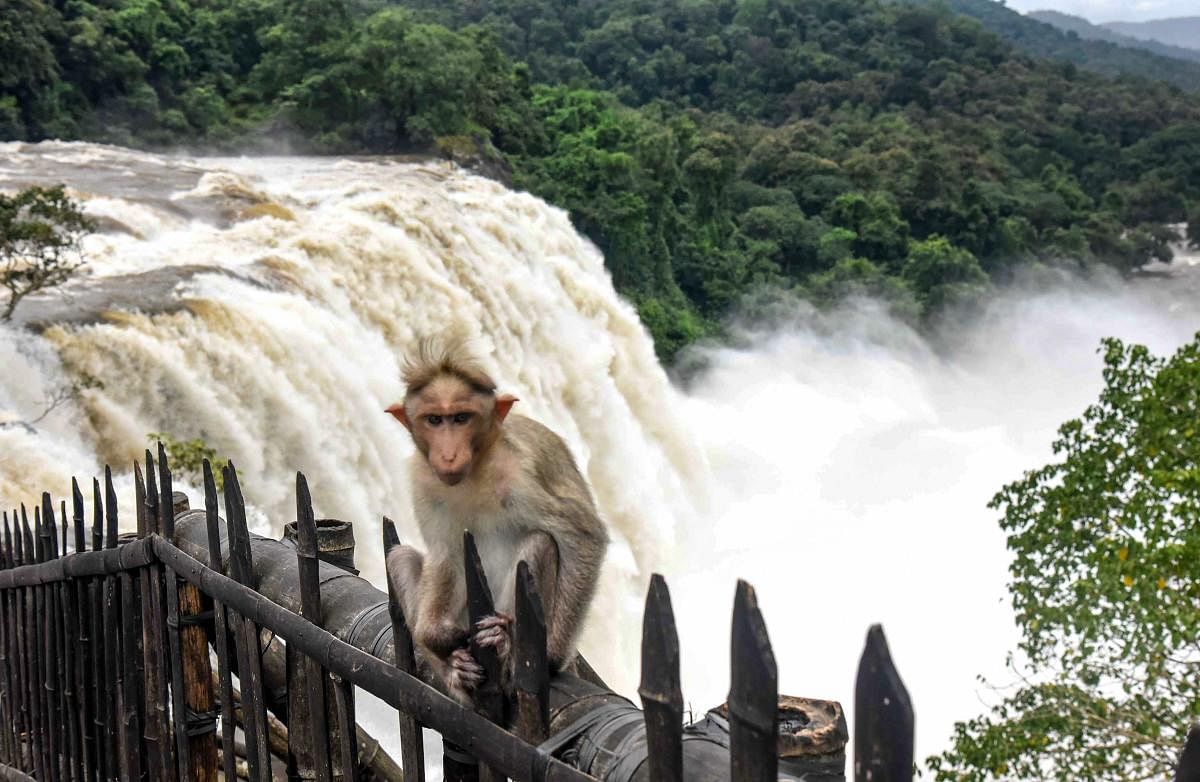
(591, 728)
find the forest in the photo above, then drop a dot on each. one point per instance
(711, 148)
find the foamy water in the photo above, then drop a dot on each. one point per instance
(842, 464)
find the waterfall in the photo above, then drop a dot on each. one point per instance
(841, 462)
(296, 286)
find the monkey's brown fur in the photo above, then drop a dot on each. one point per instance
(518, 491)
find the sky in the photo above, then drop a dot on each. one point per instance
(1099, 11)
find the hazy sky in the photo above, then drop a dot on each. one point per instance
(1112, 10)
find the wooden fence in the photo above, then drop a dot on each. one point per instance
(117, 659)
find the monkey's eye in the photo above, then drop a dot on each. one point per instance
(461, 418)
(434, 420)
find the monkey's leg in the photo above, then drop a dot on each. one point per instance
(404, 565)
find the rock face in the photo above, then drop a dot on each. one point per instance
(90, 299)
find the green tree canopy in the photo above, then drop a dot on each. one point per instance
(1105, 583)
(40, 233)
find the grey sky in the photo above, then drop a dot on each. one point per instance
(1113, 10)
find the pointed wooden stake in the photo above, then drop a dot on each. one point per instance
(314, 710)
(531, 675)
(753, 694)
(883, 716)
(412, 751)
(1189, 759)
(662, 698)
(246, 635)
(489, 698)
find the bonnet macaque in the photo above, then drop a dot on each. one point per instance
(513, 484)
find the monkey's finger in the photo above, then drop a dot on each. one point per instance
(493, 636)
(462, 660)
(494, 620)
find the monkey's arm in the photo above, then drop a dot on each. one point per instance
(427, 595)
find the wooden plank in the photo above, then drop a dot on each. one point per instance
(221, 639)
(62, 719)
(161, 759)
(1188, 769)
(883, 716)
(246, 635)
(753, 693)
(166, 526)
(51, 710)
(531, 666)
(130, 722)
(314, 759)
(412, 750)
(347, 739)
(96, 628)
(25, 551)
(83, 644)
(488, 697)
(662, 698)
(112, 662)
(11, 682)
(73, 666)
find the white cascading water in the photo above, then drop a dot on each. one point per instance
(841, 464)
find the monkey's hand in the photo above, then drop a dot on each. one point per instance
(495, 631)
(464, 674)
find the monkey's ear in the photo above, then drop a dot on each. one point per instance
(504, 403)
(398, 411)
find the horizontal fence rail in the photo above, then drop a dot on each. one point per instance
(118, 658)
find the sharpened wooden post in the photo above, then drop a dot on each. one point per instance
(100, 694)
(221, 633)
(114, 670)
(531, 666)
(83, 627)
(1188, 769)
(753, 694)
(34, 656)
(883, 716)
(347, 738)
(412, 750)
(489, 697)
(52, 621)
(192, 703)
(156, 732)
(313, 760)
(246, 636)
(662, 698)
(11, 715)
(166, 526)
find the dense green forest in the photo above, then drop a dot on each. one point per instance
(710, 147)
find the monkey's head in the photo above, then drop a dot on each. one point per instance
(450, 408)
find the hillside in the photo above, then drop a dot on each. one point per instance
(1181, 31)
(1085, 29)
(712, 149)
(1047, 42)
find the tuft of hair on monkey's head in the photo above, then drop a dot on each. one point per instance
(448, 354)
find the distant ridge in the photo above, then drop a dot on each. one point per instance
(1181, 31)
(1046, 42)
(1085, 29)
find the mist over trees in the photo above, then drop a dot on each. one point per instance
(709, 148)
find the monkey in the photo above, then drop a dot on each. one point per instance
(511, 482)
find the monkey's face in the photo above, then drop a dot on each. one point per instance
(452, 425)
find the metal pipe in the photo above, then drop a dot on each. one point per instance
(591, 728)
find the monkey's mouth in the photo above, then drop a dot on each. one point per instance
(452, 478)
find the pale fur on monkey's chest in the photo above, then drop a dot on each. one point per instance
(496, 518)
